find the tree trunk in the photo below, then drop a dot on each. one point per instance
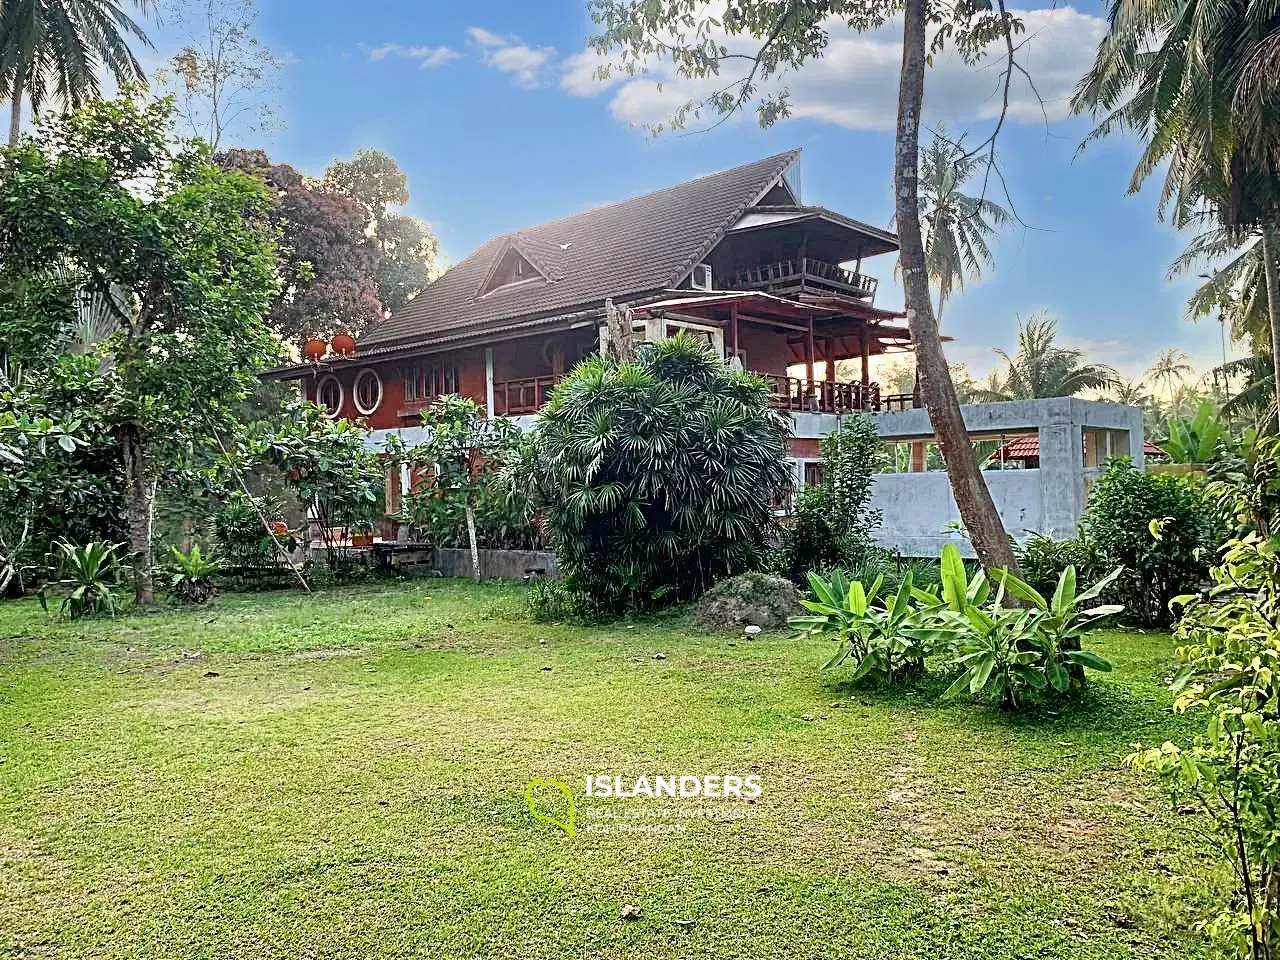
(471, 536)
(977, 509)
(1271, 269)
(139, 498)
(15, 111)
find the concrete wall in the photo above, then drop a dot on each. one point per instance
(496, 564)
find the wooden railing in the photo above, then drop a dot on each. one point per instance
(788, 273)
(900, 401)
(822, 396)
(514, 397)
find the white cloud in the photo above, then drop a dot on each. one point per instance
(524, 63)
(855, 83)
(428, 57)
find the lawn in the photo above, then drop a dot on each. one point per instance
(345, 776)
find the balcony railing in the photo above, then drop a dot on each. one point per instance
(805, 271)
(514, 397)
(822, 396)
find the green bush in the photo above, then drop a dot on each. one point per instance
(88, 577)
(1157, 566)
(190, 574)
(810, 540)
(659, 474)
(554, 601)
(1042, 560)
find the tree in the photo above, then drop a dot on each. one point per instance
(222, 78)
(185, 262)
(53, 48)
(1040, 368)
(1169, 368)
(1198, 82)
(408, 248)
(328, 263)
(786, 35)
(957, 226)
(1130, 392)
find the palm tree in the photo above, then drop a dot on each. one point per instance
(956, 226)
(54, 48)
(1169, 368)
(1132, 393)
(1041, 368)
(1198, 81)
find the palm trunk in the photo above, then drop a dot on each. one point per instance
(1271, 270)
(471, 537)
(15, 110)
(977, 509)
(139, 499)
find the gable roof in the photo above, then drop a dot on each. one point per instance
(624, 250)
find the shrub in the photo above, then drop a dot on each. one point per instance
(659, 474)
(87, 578)
(810, 541)
(1157, 568)
(747, 600)
(1230, 656)
(1042, 560)
(554, 601)
(191, 576)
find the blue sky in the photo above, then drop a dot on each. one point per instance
(490, 109)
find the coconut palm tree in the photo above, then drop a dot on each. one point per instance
(1170, 367)
(1199, 82)
(1130, 392)
(1041, 368)
(957, 227)
(54, 49)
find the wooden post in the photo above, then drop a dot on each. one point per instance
(866, 355)
(828, 348)
(808, 352)
(733, 330)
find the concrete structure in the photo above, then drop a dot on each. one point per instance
(497, 564)
(1077, 439)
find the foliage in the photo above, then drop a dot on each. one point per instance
(554, 601)
(884, 641)
(750, 599)
(54, 49)
(327, 260)
(187, 266)
(191, 575)
(329, 467)
(1230, 656)
(810, 541)
(220, 81)
(1194, 440)
(1118, 522)
(408, 250)
(87, 578)
(659, 474)
(1041, 368)
(1042, 560)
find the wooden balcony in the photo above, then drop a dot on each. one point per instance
(513, 398)
(805, 274)
(822, 396)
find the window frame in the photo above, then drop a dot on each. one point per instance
(335, 412)
(355, 391)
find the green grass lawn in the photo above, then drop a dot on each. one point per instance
(344, 776)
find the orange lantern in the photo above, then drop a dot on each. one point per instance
(313, 350)
(343, 344)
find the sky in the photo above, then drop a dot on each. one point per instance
(492, 109)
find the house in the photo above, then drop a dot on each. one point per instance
(734, 257)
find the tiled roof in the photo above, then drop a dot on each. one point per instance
(1020, 448)
(642, 245)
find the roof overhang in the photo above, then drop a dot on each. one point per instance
(858, 238)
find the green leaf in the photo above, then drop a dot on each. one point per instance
(1087, 658)
(1064, 597)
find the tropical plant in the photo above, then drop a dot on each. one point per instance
(1130, 392)
(1041, 368)
(660, 474)
(191, 575)
(957, 227)
(886, 638)
(1117, 521)
(1194, 440)
(87, 577)
(54, 48)
(1043, 559)
(1229, 656)
(1009, 652)
(1170, 367)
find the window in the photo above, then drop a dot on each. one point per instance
(511, 268)
(428, 381)
(813, 473)
(367, 391)
(329, 394)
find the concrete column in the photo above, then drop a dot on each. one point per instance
(488, 381)
(1061, 470)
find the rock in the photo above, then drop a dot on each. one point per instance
(631, 912)
(546, 669)
(1188, 809)
(659, 656)
(808, 718)
(210, 674)
(542, 642)
(749, 600)
(685, 924)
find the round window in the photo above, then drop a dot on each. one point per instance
(329, 395)
(368, 392)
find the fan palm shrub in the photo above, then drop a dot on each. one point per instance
(659, 474)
